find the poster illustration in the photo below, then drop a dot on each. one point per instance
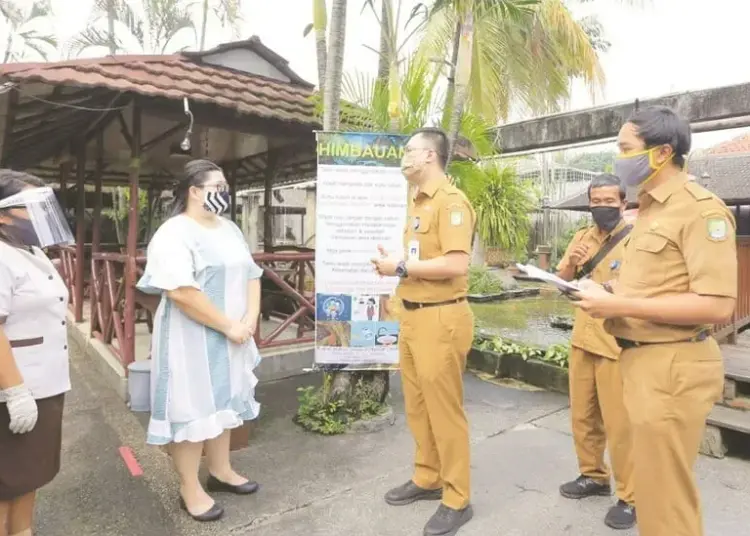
(360, 203)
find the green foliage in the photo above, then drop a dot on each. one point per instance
(556, 354)
(503, 203)
(324, 415)
(481, 281)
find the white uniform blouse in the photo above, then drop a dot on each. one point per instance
(33, 307)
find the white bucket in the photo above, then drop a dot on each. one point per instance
(139, 385)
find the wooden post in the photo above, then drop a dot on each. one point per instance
(268, 204)
(80, 230)
(96, 232)
(64, 173)
(128, 346)
(10, 119)
(150, 207)
(96, 235)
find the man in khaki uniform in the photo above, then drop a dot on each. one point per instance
(436, 332)
(596, 405)
(678, 278)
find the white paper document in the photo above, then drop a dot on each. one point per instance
(537, 273)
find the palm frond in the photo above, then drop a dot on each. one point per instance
(502, 201)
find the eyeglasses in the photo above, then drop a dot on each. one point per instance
(219, 187)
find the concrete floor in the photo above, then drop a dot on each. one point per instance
(333, 486)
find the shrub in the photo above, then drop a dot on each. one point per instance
(481, 281)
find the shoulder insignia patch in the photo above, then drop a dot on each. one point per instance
(717, 228)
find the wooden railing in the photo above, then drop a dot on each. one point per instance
(284, 294)
(67, 256)
(107, 293)
(741, 317)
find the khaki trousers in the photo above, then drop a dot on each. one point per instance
(599, 417)
(434, 344)
(669, 391)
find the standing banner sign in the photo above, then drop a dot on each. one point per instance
(360, 203)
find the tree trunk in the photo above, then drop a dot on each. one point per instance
(450, 92)
(384, 63)
(463, 75)
(343, 383)
(204, 23)
(320, 22)
(334, 66)
(111, 15)
(8, 47)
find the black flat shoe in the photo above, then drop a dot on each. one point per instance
(215, 485)
(212, 514)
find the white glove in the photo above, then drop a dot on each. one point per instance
(22, 409)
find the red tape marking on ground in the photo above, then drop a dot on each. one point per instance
(130, 462)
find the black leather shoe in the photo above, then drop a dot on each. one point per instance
(409, 492)
(212, 514)
(215, 485)
(447, 521)
(583, 487)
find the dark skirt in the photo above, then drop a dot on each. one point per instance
(29, 461)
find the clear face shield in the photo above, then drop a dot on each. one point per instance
(36, 218)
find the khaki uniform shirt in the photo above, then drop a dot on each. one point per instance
(683, 241)
(440, 220)
(588, 332)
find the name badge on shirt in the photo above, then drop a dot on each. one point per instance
(413, 250)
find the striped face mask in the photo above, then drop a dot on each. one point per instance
(216, 202)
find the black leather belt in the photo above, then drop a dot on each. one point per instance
(626, 344)
(410, 306)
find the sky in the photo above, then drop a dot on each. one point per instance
(659, 47)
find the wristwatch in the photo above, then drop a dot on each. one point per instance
(401, 269)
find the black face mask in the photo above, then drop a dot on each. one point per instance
(22, 232)
(606, 218)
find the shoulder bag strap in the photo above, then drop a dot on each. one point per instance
(592, 263)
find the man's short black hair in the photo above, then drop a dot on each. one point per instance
(660, 125)
(438, 140)
(607, 179)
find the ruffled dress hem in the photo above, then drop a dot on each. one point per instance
(197, 431)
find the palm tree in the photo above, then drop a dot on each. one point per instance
(26, 27)
(228, 12)
(505, 52)
(334, 66)
(148, 27)
(319, 26)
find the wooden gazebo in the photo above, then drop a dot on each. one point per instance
(88, 125)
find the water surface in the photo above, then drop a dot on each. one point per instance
(527, 319)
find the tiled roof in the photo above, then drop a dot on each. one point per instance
(738, 145)
(727, 176)
(182, 75)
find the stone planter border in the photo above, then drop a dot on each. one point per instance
(504, 295)
(532, 371)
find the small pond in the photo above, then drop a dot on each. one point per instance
(526, 320)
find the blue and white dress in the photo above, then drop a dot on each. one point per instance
(201, 383)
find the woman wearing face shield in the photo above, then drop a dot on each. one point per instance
(202, 381)
(34, 374)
